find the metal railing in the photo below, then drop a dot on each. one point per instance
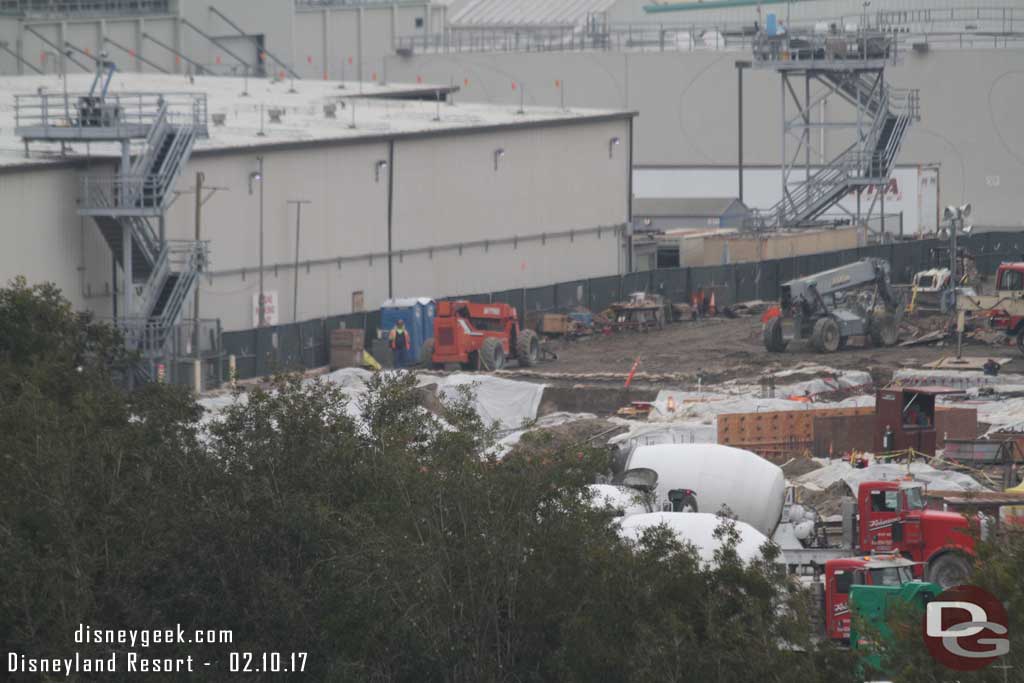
(145, 193)
(122, 115)
(647, 37)
(998, 19)
(320, 4)
(154, 284)
(834, 46)
(86, 8)
(149, 334)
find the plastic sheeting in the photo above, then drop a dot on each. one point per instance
(624, 500)
(841, 470)
(698, 529)
(505, 401)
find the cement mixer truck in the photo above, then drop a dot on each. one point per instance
(885, 517)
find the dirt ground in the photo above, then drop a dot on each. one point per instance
(725, 349)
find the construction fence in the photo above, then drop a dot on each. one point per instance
(263, 351)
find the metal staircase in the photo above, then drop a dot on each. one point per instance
(850, 66)
(129, 206)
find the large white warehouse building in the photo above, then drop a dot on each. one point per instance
(405, 197)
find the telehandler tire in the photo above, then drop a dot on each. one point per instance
(884, 331)
(492, 355)
(825, 336)
(527, 348)
(771, 334)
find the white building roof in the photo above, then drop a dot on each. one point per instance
(527, 12)
(303, 119)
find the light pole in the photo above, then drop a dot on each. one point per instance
(257, 176)
(956, 215)
(298, 229)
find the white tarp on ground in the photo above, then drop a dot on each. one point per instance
(625, 500)
(505, 401)
(841, 470)
(697, 528)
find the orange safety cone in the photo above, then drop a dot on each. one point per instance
(632, 371)
(712, 309)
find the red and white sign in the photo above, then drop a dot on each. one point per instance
(270, 308)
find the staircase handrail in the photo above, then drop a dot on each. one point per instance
(156, 131)
(154, 283)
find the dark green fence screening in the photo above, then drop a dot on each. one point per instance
(306, 344)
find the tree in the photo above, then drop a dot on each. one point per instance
(997, 568)
(387, 542)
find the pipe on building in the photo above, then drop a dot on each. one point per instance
(391, 209)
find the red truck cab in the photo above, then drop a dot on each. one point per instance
(871, 570)
(892, 517)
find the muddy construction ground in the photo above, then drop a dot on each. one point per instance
(725, 349)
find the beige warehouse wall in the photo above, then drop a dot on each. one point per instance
(551, 178)
(46, 241)
(687, 105)
(499, 267)
(327, 39)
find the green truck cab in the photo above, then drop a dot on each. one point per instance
(874, 606)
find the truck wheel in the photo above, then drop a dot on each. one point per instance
(951, 569)
(473, 363)
(771, 333)
(527, 348)
(492, 355)
(884, 331)
(825, 336)
(427, 356)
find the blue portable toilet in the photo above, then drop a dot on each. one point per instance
(770, 26)
(429, 311)
(415, 312)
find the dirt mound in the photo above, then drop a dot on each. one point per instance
(593, 432)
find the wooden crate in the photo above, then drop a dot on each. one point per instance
(346, 348)
(344, 338)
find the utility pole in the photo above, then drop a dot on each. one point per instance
(200, 200)
(257, 176)
(298, 229)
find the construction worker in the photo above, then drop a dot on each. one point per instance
(399, 338)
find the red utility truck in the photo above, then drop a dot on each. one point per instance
(890, 516)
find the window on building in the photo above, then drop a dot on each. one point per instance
(419, 22)
(357, 302)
